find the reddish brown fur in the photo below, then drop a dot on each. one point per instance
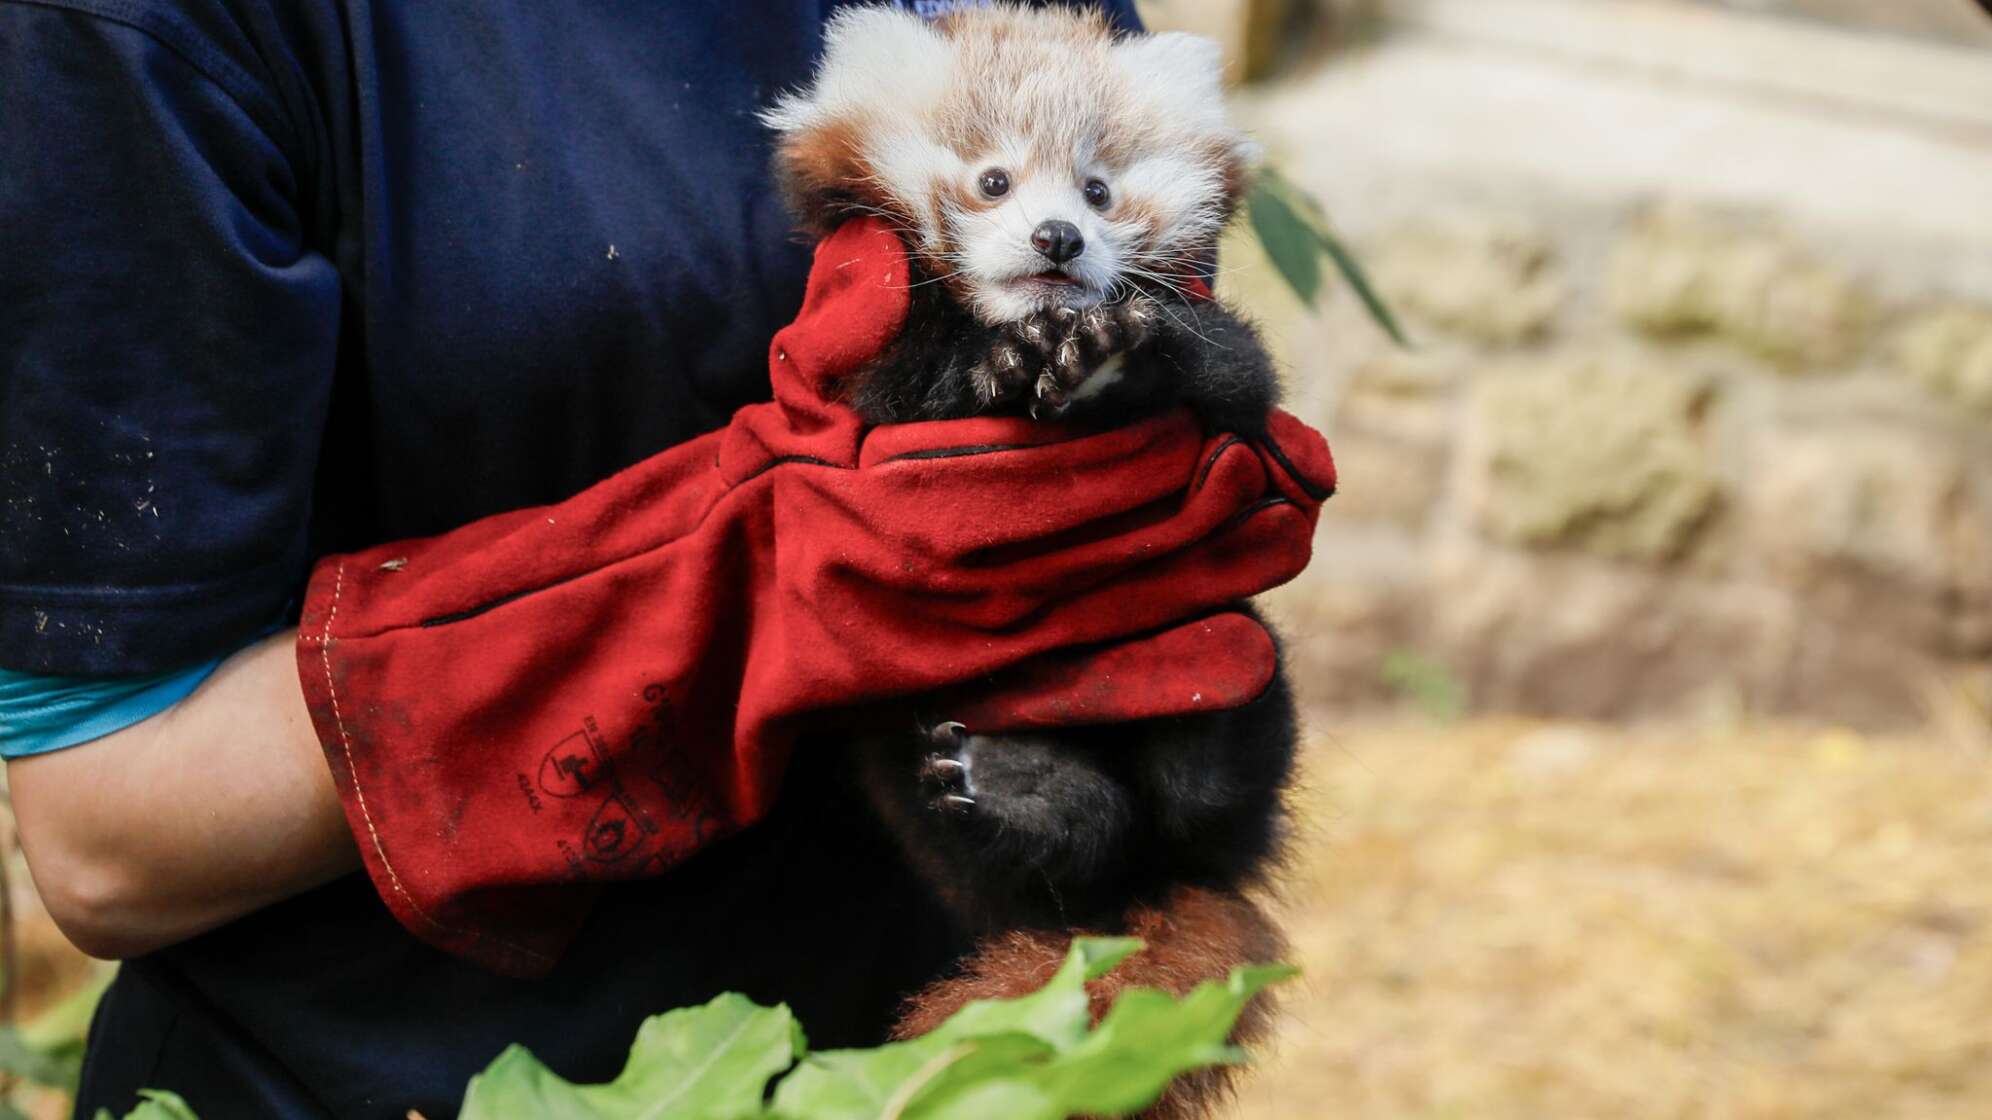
(823, 170)
(1198, 935)
(1237, 175)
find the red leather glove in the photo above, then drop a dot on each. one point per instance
(593, 690)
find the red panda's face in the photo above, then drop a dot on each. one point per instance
(1028, 158)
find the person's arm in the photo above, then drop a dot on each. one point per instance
(215, 807)
(168, 336)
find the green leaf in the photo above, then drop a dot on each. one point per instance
(1288, 240)
(55, 1037)
(1146, 1041)
(1056, 1013)
(1032, 1058)
(1352, 272)
(701, 1063)
(976, 1044)
(157, 1104)
(30, 1064)
(1286, 218)
(898, 1079)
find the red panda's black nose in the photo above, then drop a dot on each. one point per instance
(1058, 240)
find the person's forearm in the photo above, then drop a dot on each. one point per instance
(213, 808)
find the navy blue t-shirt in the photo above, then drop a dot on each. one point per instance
(284, 277)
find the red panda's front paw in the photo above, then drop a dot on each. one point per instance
(1116, 328)
(1024, 354)
(1003, 373)
(1052, 356)
(1086, 359)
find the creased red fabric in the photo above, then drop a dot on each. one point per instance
(544, 700)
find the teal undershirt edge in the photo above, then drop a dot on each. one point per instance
(40, 714)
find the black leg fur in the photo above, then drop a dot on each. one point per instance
(1053, 829)
(1154, 828)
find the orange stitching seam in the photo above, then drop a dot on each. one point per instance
(346, 742)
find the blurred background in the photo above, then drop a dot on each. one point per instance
(1648, 644)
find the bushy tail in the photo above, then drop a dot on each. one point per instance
(1196, 935)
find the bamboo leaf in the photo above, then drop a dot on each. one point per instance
(1295, 215)
(1289, 243)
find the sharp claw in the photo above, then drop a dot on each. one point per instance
(988, 387)
(955, 803)
(950, 732)
(945, 767)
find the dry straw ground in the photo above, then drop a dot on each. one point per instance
(1527, 920)
(1509, 919)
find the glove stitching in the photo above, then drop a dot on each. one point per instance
(359, 795)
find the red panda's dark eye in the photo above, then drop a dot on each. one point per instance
(995, 183)
(1097, 195)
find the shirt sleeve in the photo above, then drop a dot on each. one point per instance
(167, 343)
(41, 714)
(1122, 14)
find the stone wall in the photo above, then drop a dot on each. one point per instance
(1659, 449)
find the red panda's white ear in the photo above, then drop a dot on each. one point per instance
(1182, 76)
(1179, 72)
(874, 60)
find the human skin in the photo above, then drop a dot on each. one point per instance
(218, 806)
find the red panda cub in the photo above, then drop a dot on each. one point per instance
(1058, 188)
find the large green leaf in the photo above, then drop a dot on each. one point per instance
(699, 1063)
(1148, 1039)
(974, 1046)
(898, 1080)
(1031, 1058)
(1057, 1013)
(1145, 1042)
